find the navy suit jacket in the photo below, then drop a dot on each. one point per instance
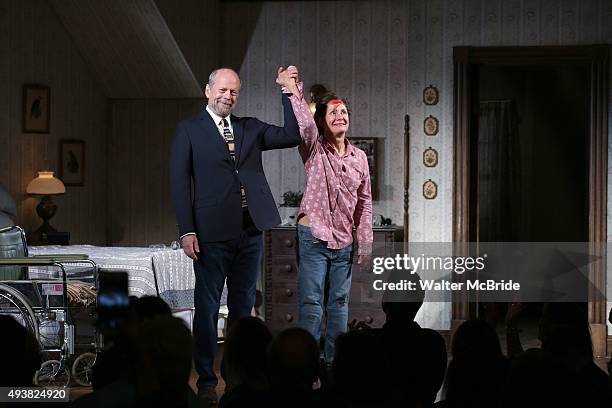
(212, 208)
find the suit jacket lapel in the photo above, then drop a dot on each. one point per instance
(238, 127)
(211, 133)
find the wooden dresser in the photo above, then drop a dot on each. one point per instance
(280, 278)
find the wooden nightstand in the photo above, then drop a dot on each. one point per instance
(54, 238)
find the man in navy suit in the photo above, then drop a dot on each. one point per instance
(223, 202)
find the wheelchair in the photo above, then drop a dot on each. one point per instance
(51, 308)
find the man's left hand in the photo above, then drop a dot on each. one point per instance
(288, 78)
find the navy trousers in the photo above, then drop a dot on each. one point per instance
(239, 261)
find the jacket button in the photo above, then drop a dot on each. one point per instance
(236, 171)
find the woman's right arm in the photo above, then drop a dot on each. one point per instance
(306, 123)
(288, 79)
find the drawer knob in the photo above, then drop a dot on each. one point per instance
(287, 268)
(288, 243)
(368, 319)
(289, 317)
(288, 292)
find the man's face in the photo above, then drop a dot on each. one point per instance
(336, 120)
(223, 93)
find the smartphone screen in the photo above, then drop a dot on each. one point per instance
(113, 300)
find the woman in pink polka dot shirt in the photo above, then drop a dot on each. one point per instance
(337, 199)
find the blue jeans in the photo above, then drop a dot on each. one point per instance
(238, 260)
(324, 283)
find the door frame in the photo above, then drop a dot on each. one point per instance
(596, 57)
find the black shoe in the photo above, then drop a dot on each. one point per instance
(208, 396)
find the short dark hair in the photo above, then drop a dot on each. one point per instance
(322, 103)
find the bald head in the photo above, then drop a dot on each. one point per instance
(222, 91)
(226, 71)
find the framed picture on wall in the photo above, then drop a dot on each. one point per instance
(36, 108)
(431, 125)
(370, 146)
(72, 162)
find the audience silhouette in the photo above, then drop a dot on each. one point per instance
(20, 354)
(478, 367)
(398, 365)
(293, 364)
(245, 359)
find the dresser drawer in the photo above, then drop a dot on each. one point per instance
(284, 293)
(283, 242)
(281, 317)
(281, 273)
(283, 268)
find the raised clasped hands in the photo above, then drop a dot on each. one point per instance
(288, 78)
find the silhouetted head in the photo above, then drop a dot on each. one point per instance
(164, 357)
(20, 351)
(537, 379)
(478, 368)
(564, 329)
(293, 360)
(148, 307)
(475, 338)
(357, 358)
(245, 353)
(405, 304)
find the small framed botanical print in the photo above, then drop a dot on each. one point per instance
(430, 189)
(36, 109)
(431, 125)
(430, 157)
(72, 162)
(431, 95)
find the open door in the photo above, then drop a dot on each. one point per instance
(473, 222)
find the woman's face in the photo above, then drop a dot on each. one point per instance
(336, 120)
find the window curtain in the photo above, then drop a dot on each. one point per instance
(499, 193)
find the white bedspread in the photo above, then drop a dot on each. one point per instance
(149, 269)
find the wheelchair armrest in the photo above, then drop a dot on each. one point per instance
(26, 261)
(63, 257)
(44, 260)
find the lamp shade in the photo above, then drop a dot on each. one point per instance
(46, 184)
(313, 107)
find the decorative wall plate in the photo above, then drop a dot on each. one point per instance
(430, 157)
(431, 95)
(431, 125)
(430, 190)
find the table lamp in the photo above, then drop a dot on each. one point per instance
(46, 185)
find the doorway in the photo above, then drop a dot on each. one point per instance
(531, 123)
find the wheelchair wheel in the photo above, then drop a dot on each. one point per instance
(13, 303)
(52, 373)
(82, 369)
